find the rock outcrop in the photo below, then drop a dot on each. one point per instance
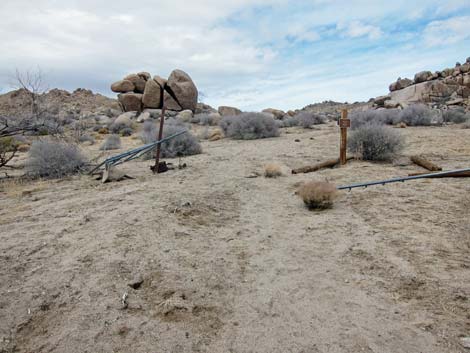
(450, 86)
(140, 91)
(225, 110)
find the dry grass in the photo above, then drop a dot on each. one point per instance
(272, 170)
(318, 195)
(215, 135)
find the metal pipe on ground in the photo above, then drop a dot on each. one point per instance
(450, 173)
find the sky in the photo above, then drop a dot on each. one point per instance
(252, 54)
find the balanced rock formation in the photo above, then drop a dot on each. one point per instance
(450, 86)
(140, 91)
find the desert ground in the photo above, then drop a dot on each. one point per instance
(230, 261)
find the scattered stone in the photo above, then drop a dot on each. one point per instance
(202, 108)
(138, 82)
(422, 76)
(136, 282)
(143, 117)
(125, 119)
(226, 110)
(160, 80)
(184, 89)
(278, 114)
(390, 104)
(380, 101)
(152, 97)
(131, 101)
(122, 86)
(145, 75)
(124, 300)
(170, 103)
(465, 342)
(185, 115)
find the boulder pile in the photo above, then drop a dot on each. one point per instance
(450, 86)
(139, 91)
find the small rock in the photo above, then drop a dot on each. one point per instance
(185, 115)
(124, 301)
(136, 282)
(465, 342)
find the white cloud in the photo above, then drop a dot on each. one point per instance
(357, 29)
(250, 53)
(450, 31)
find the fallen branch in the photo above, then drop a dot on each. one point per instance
(313, 168)
(422, 162)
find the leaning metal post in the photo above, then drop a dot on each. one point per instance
(156, 168)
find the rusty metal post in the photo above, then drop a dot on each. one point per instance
(344, 124)
(156, 168)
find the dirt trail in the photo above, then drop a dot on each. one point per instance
(237, 264)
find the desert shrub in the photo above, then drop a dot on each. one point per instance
(280, 123)
(289, 122)
(417, 115)
(375, 142)
(112, 142)
(86, 138)
(118, 128)
(204, 119)
(182, 145)
(456, 116)
(272, 170)
(375, 117)
(307, 119)
(8, 148)
(466, 124)
(318, 194)
(249, 126)
(54, 159)
(127, 131)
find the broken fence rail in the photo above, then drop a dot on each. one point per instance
(134, 153)
(402, 179)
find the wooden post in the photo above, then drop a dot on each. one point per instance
(344, 124)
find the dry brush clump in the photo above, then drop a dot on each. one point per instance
(249, 126)
(307, 119)
(112, 142)
(375, 142)
(375, 117)
(204, 119)
(456, 116)
(54, 159)
(272, 170)
(318, 195)
(418, 115)
(183, 145)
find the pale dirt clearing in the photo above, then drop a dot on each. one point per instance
(236, 264)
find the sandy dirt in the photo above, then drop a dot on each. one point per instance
(237, 264)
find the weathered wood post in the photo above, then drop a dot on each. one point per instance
(344, 123)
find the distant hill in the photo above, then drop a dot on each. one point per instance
(58, 102)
